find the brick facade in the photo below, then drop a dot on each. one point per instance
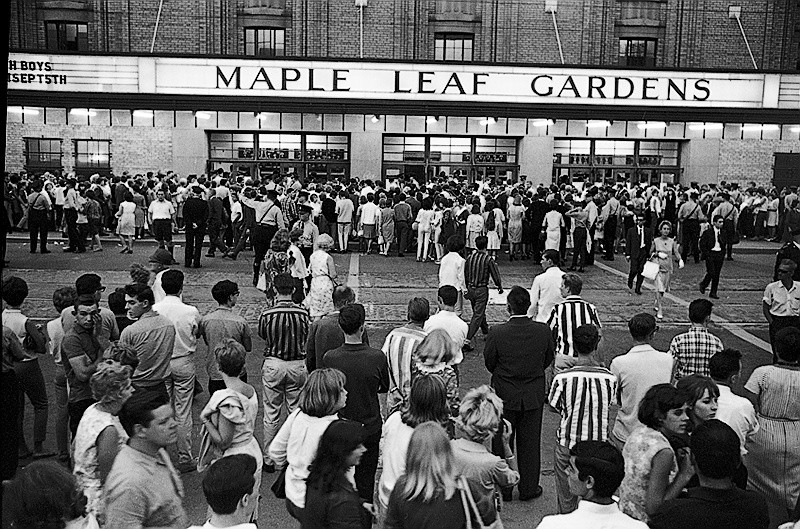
(745, 161)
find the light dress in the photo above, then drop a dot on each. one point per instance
(93, 422)
(641, 447)
(387, 225)
(515, 216)
(474, 229)
(127, 219)
(319, 301)
(553, 222)
(394, 445)
(496, 234)
(141, 208)
(666, 252)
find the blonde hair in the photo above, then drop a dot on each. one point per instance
(324, 242)
(429, 464)
(437, 346)
(480, 413)
(109, 380)
(122, 353)
(231, 357)
(321, 393)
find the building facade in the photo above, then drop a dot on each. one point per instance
(565, 90)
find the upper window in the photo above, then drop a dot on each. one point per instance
(265, 42)
(453, 47)
(70, 36)
(43, 153)
(638, 52)
(93, 154)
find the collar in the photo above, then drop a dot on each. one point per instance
(590, 507)
(724, 389)
(286, 303)
(470, 446)
(553, 270)
(518, 316)
(13, 311)
(643, 348)
(794, 285)
(223, 307)
(713, 495)
(573, 297)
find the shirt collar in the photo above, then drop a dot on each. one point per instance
(713, 495)
(590, 507)
(518, 316)
(645, 347)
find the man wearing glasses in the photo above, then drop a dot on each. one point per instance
(781, 302)
(91, 285)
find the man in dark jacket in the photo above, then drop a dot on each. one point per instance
(217, 218)
(713, 243)
(195, 217)
(637, 249)
(517, 353)
(535, 216)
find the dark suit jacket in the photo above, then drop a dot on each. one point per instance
(517, 353)
(632, 242)
(324, 335)
(707, 240)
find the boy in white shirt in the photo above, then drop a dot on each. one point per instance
(451, 270)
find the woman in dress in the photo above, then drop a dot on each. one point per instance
(387, 225)
(516, 215)
(424, 224)
(447, 230)
(474, 227)
(229, 417)
(665, 250)
(276, 261)
(773, 452)
(319, 300)
(552, 226)
(141, 211)
(654, 472)
(100, 434)
(126, 225)
(493, 225)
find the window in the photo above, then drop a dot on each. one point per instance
(638, 52)
(69, 36)
(232, 146)
(93, 154)
(453, 47)
(264, 42)
(42, 154)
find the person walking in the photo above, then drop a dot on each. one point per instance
(690, 215)
(730, 220)
(781, 302)
(712, 245)
(126, 222)
(546, 288)
(247, 222)
(638, 241)
(344, 220)
(71, 215)
(568, 315)
(693, 349)
(269, 220)
(477, 269)
(322, 269)
(195, 218)
(217, 222)
(666, 252)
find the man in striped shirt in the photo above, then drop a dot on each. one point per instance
(399, 349)
(477, 269)
(568, 316)
(583, 396)
(284, 329)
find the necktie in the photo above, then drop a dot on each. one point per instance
(641, 237)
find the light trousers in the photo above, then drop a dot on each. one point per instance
(282, 381)
(180, 386)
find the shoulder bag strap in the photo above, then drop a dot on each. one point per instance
(265, 213)
(689, 216)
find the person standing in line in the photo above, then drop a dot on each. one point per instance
(11, 352)
(126, 222)
(325, 333)
(400, 345)
(690, 215)
(229, 488)
(71, 215)
(516, 354)
(546, 288)
(161, 215)
(693, 349)
(568, 315)
(790, 250)
(447, 320)
(309, 233)
(62, 298)
(284, 329)
(369, 219)
(195, 218)
(713, 242)
(610, 214)
(344, 220)
(781, 302)
(217, 217)
(451, 270)
(638, 241)
(269, 219)
(402, 221)
(735, 411)
(730, 220)
(39, 207)
(477, 269)
(322, 269)
(580, 235)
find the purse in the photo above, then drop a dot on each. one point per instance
(650, 270)
(471, 512)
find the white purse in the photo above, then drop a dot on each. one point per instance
(650, 270)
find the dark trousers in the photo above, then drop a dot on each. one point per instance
(37, 227)
(299, 293)
(159, 388)
(778, 323)
(241, 240)
(76, 410)
(690, 236)
(194, 245)
(592, 244)
(401, 229)
(262, 237)
(31, 383)
(579, 247)
(609, 234)
(9, 437)
(365, 471)
(714, 262)
(637, 267)
(71, 218)
(527, 433)
(59, 212)
(478, 298)
(215, 239)
(537, 244)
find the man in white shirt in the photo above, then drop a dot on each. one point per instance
(781, 302)
(637, 371)
(451, 270)
(735, 411)
(180, 382)
(447, 320)
(546, 287)
(161, 214)
(595, 471)
(370, 214)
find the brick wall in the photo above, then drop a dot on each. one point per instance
(746, 161)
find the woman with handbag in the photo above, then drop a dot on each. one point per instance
(664, 251)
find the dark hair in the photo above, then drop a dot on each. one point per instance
(718, 217)
(787, 344)
(694, 387)
(725, 363)
(642, 325)
(43, 495)
(657, 402)
(448, 294)
(553, 256)
(455, 243)
(140, 292)
(419, 310)
(139, 409)
(128, 196)
(519, 300)
(116, 301)
(15, 290)
(284, 284)
(573, 283)
(223, 290)
(330, 464)
(699, 310)
(342, 295)
(716, 449)
(65, 297)
(585, 339)
(88, 284)
(427, 401)
(351, 317)
(228, 480)
(481, 242)
(84, 299)
(172, 281)
(601, 460)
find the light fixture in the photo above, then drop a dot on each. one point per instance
(143, 113)
(759, 128)
(543, 122)
(375, 118)
(23, 110)
(488, 121)
(202, 115)
(706, 126)
(652, 125)
(432, 119)
(598, 124)
(261, 115)
(795, 128)
(82, 112)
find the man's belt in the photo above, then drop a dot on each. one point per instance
(266, 225)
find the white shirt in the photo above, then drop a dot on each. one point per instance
(590, 515)
(161, 210)
(158, 291)
(717, 247)
(298, 268)
(394, 446)
(783, 302)
(236, 211)
(451, 271)
(738, 413)
(186, 320)
(209, 525)
(545, 293)
(369, 212)
(453, 325)
(58, 191)
(55, 334)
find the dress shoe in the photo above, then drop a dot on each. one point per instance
(46, 251)
(638, 291)
(713, 296)
(198, 265)
(702, 288)
(536, 493)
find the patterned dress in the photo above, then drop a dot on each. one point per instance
(319, 301)
(387, 225)
(666, 251)
(515, 216)
(274, 263)
(640, 449)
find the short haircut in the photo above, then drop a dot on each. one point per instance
(787, 344)
(718, 217)
(481, 242)
(585, 339)
(642, 325)
(228, 480)
(695, 386)
(284, 284)
(139, 274)
(122, 353)
(223, 290)
(716, 449)
(552, 256)
(172, 281)
(321, 393)
(438, 345)
(725, 363)
(140, 292)
(790, 263)
(88, 284)
(85, 300)
(231, 357)
(480, 413)
(427, 401)
(601, 460)
(699, 310)
(116, 301)
(448, 294)
(519, 300)
(351, 317)
(455, 243)
(139, 409)
(573, 283)
(343, 295)
(296, 233)
(109, 380)
(65, 297)
(15, 290)
(419, 310)
(657, 402)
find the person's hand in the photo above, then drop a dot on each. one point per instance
(681, 264)
(96, 324)
(370, 508)
(685, 466)
(627, 257)
(507, 431)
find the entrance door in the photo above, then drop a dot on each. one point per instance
(786, 169)
(417, 172)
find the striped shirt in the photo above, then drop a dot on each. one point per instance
(478, 268)
(568, 316)
(583, 396)
(692, 351)
(284, 329)
(399, 349)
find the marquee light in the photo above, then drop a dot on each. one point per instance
(706, 126)
(602, 124)
(82, 112)
(375, 118)
(543, 122)
(23, 110)
(202, 115)
(759, 128)
(488, 121)
(652, 125)
(143, 113)
(432, 119)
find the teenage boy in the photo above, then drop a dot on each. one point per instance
(693, 349)
(228, 487)
(447, 320)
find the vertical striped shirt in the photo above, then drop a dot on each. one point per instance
(284, 329)
(399, 349)
(583, 396)
(478, 268)
(568, 316)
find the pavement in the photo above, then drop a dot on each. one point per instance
(385, 284)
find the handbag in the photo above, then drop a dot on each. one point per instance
(471, 512)
(262, 282)
(650, 270)
(381, 240)
(415, 225)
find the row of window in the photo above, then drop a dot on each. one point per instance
(271, 42)
(44, 154)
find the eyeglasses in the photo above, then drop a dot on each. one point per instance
(102, 289)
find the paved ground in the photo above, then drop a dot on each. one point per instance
(384, 286)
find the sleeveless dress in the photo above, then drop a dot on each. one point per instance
(553, 222)
(666, 252)
(127, 219)
(640, 449)
(387, 225)
(320, 295)
(515, 216)
(141, 207)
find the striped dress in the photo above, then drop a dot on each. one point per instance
(399, 349)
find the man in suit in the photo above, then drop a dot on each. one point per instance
(637, 249)
(517, 354)
(713, 242)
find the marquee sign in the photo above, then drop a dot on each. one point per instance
(399, 81)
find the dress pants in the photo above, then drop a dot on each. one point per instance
(479, 297)
(527, 432)
(609, 234)
(262, 237)
(71, 218)
(579, 247)
(402, 230)
(62, 411)
(714, 262)
(9, 437)
(31, 383)
(637, 267)
(690, 238)
(194, 246)
(365, 471)
(282, 381)
(37, 227)
(216, 236)
(180, 386)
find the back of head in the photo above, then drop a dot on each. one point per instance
(116, 301)
(321, 395)
(15, 290)
(724, 364)
(601, 460)
(481, 242)
(351, 318)
(480, 414)
(455, 243)
(230, 356)
(284, 284)
(65, 297)
(699, 310)
(227, 481)
(715, 449)
(518, 300)
(419, 310)
(448, 294)
(223, 290)
(642, 326)
(343, 295)
(437, 346)
(172, 282)
(787, 344)
(427, 402)
(573, 283)
(43, 495)
(331, 463)
(429, 464)
(552, 256)
(585, 339)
